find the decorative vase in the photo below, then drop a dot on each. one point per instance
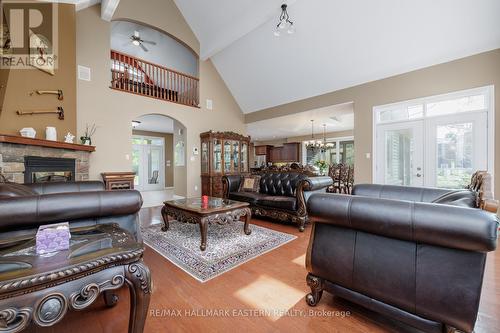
(86, 140)
(50, 133)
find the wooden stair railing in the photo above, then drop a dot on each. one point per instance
(144, 78)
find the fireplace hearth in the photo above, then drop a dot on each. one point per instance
(48, 169)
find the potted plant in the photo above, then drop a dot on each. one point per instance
(323, 167)
(86, 138)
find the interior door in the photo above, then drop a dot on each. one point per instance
(457, 146)
(148, 163)
(400, 154)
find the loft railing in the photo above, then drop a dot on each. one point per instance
(141, 77)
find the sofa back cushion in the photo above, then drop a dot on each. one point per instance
(9, 190)
(280, 184)
(460, 198)
(396, 192)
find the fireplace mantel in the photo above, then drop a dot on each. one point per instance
(44, 143)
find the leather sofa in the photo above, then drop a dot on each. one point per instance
(282, 195)
(25, 207)
(414, 254)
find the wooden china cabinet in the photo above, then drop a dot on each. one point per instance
(222, 153)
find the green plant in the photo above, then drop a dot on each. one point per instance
(322, 165)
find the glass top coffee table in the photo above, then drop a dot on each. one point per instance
(205, 212)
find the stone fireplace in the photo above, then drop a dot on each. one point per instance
(34, 160)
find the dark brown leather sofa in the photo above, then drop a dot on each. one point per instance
(414, 254)
(282, 195)
(25, 207)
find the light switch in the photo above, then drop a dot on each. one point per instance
(368, 155)
(210, 104)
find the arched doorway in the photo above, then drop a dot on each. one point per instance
(159, 158)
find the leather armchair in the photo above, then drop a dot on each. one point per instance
(397, 251)
(282, 195)
(79, 203)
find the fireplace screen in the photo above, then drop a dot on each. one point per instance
(48, 169)
(51, 176)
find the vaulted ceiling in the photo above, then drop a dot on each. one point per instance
(337, 43)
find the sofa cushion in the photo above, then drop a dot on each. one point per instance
(460, 198)
(250, 184)
(8, 190)
(278, 202)
(250, 197)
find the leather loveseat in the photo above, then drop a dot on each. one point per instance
(281, 195)
(25, 207)
(414, 254)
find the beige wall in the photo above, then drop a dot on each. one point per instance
(475, 71)
(21, 83)
(168, 153)
(112, 110)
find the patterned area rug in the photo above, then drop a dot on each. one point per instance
(227, 246)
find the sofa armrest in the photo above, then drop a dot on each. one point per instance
(66, 187)
(317, 183)
(32, 211)
(230, 183)
(441, 225)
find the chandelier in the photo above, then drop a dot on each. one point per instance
(318, 144)
(284, 22)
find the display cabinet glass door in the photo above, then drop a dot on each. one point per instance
(244, 157)
(217, 151)
(236, 156)
(204, 157)
(227, 156)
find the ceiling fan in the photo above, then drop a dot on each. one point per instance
(137, 41)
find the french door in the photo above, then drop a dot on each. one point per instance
(148, 163)
(437, 141)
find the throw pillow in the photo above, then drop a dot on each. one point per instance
(9, 190)
(250, 184)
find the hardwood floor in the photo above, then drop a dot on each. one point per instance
(275, 280)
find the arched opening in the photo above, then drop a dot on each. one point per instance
(159, 158)
(150, 62)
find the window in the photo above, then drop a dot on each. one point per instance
(341, 152)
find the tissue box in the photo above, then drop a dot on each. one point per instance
(52, 237)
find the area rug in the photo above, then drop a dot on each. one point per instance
(227, 246)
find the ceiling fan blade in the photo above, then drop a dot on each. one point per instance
(143, 47)
(149, 42)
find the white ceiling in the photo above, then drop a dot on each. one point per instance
(336, 117)
(337, 43)
(155, 123)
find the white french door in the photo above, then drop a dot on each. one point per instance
(438, 141)
(148, 163)
(400, 157)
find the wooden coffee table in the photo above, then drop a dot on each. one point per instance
(216, 210)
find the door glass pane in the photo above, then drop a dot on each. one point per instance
(227, 156)
(399, 146)
(244, 157)
(154, 165)
(454, 155)
(217, 155)
(236, 155)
